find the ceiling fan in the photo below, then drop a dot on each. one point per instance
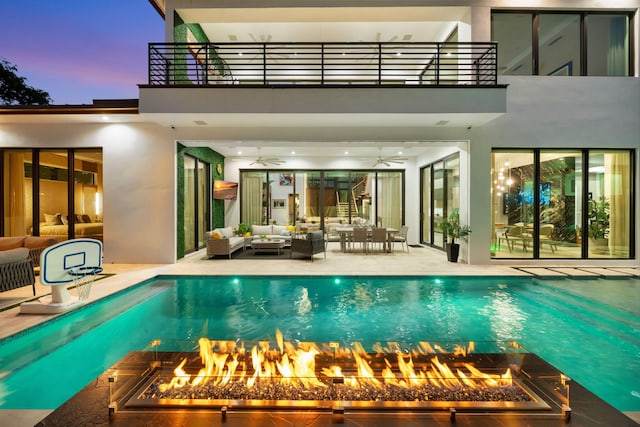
(389, 159)
(372, 57)
(267, 161)
(273, 56)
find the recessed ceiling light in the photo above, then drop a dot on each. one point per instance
(442, 122)
(105, 118)
(239, 153)
(399, 153)
(346, 153)
(200, 122)
(293, 152)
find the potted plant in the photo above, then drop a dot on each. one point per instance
(598, 215)
(243, 229)
(453, 230)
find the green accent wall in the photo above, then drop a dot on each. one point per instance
(217, 206)
(181, 54)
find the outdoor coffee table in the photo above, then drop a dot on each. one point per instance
(267, 244)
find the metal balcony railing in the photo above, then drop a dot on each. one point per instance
(327, 64)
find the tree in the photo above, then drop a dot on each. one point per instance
(14, 89)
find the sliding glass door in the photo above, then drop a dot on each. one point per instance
(569, 204)
(318, 198)
(196, 207)
(440, 196)
(53, 193)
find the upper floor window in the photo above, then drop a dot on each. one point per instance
(562, 43)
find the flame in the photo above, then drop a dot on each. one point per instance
(289, 364)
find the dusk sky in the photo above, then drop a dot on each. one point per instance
(80, 50)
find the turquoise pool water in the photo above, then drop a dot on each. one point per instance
(588, 329)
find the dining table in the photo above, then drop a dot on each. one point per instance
(346, 231)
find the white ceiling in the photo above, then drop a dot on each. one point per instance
(327, 135)
(344, 24)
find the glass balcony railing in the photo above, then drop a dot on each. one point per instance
(323, 64)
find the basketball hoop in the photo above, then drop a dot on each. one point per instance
(83, 278)
(76, 261)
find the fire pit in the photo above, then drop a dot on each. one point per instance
(325, 376)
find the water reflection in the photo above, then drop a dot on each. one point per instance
(505, 317)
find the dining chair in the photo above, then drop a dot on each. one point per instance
(546, 236)
(379, 237)
(361, 236)
(401, 237)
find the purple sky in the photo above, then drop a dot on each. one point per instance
(80, 50)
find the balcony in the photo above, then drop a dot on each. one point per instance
(322, 64)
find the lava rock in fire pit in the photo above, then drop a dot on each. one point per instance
(270, 390)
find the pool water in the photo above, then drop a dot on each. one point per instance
(588, 329)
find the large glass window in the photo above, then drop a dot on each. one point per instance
(609, 210)
(389, 200)
(425, 213)
(253, 197)
(41, 197)
(608, 45)
(552, 43)
(512, 176)
(560, 204)
(512, 32)
(315, 199)
(87, 197)
(541, 205)
(559, 44)
(54, 216)
(17, 204)
(440, 196)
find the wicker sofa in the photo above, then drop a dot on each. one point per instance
(16, 269)
(35, 245)
(222, 241)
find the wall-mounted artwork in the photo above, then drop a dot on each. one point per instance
(286, 179)
(279, 203)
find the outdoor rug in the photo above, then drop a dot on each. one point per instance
(252, 254)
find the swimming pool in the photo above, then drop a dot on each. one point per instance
(588, 329)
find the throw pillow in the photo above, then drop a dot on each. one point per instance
(64, 219)
(13, 255)
(86, 218)
(216, 235)
(52, 219)
(285, 233)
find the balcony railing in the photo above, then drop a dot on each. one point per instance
(312, 64)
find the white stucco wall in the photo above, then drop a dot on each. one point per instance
(555, 113)
(139, 182)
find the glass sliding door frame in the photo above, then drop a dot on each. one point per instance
(443, 196)
(309, 188)
(591, 189)
(196, 209)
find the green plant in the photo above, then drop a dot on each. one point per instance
(243, 229)
(598, 215)
(452, 227)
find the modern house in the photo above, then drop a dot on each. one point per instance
(524, 116)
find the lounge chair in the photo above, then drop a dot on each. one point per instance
(313, 244)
